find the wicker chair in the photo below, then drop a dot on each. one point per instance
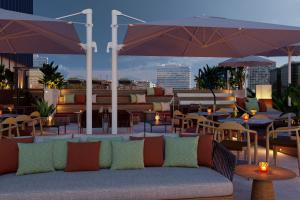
(293, 140)
(235, 137)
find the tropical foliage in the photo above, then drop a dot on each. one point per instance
(211, 78)
(280, 102)
(43, 108)
(6, 78)
(237, 77)
(51, 77)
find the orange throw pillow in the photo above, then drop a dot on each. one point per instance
(9, 153)
(158, 91)
(153, 150)
(80, 99)
(83, 156)
(205, 149)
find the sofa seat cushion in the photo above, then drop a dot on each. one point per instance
(148, 183)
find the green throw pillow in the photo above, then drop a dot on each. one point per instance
(157, 106)
(35, 158)
(128, 155)
(69, 98)
(181, 152)
(133, 98)
(105, 155)
(252, 103)
(60, 152)
(150, 92)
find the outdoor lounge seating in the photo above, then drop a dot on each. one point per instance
(148, 183)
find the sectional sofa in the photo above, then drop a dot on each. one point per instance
(204, 183)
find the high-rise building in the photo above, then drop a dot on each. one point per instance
(174, 76)
(279, 77)
(259, 75)
(38, 60)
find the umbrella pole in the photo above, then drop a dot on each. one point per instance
(89, 70)
(289, 74)
(114, 79)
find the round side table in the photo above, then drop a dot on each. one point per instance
(262, 185)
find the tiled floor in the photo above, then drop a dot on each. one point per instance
(285, 190)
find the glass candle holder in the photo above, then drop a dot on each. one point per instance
(263, 167)
(157, 117)
(209, 110)
(245, 117)
(253, 111)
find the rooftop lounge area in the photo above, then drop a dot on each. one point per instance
(232, 132)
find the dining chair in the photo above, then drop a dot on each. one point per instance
(291, 139)
(178, 121)
(236, 137)
(8, 125)
(37, 116)
(27, 125)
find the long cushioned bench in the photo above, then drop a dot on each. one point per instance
(149, 183)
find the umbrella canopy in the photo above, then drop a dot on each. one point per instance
(25, 33)
(293, 49)
(249, 61)
(206, 37)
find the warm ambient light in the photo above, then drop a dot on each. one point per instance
(157, 117)
(263, 91)
(263, 167)
(209, 110)
(50, 118)
(10, 108)
(245, 116)
(253, 111)
(0, 112)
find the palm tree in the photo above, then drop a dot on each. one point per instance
(211, 78)
(51, 77)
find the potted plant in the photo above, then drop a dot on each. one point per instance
(52, 81)
(44, 109)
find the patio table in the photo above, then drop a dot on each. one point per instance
(4, 116)
(251, 121)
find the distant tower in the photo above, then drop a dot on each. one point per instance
(174, 76)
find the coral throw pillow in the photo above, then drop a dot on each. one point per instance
(83, 156)
(153, 150)
(80, 99)
(9, 153)
(205, 149)
(158, 91)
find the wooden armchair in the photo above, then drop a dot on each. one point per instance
(7, 126)
(292, 140)
(37, 117)
(200, 124)
(235, 137)
(178, 121)
(26, 125)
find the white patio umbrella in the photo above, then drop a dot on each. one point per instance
(26, 33)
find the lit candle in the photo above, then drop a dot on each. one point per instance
(10, 108)
(245, 116)
(50, 119)
(208, 110)
(0, 112)
(263, 167)
(157, 117)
